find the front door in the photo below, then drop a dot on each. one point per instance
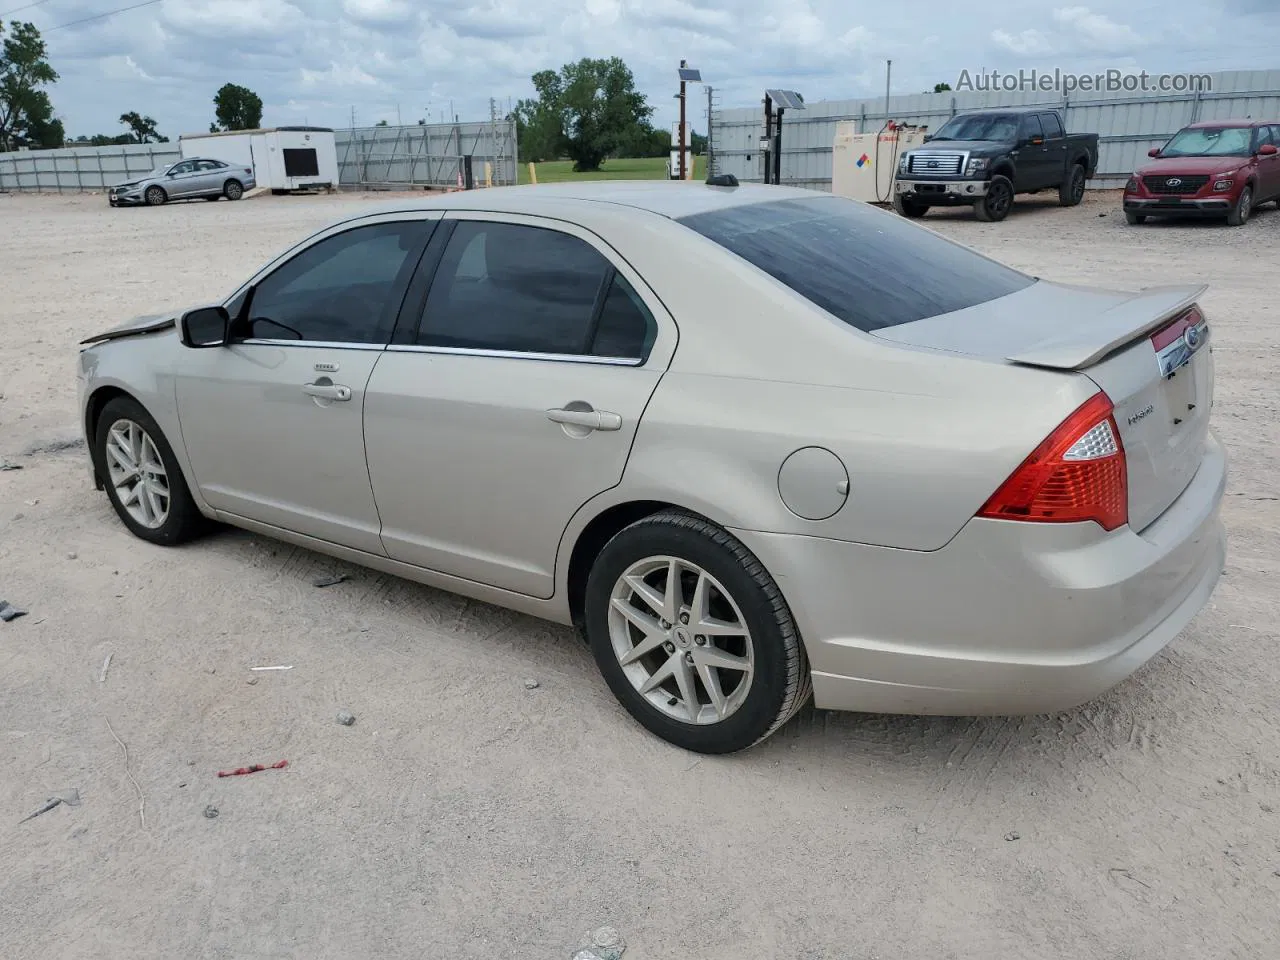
(180, 180)
(513, 402)
(273, 423)
(1269, 166)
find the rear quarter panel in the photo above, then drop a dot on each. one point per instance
(759, 373)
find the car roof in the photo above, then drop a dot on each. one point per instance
(1012, 111)
(1209, 124)
(666, 198)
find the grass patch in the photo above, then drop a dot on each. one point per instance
(641, 168)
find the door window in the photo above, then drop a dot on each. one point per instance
(1031, 127)
(203, 165)
(1052, 126)
(520, 289)
(345, 289)
(184, 167)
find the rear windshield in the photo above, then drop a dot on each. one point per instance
(870, 268)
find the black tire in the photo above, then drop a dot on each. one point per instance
(155, 196)
(1071, 190)
(233, 190)
(1243, 208)
(912, 209)
(184, 520)
(1134, 218)
(997, 203)
(780, 682)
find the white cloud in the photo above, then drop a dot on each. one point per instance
(338, 75)
(378, 11)
(1027, 43)
(1097, 30)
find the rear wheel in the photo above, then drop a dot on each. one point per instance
(233, 190)
(1071, 190)
(907, 207)
(997, 203)
(1134, 218)
(155, 196)
(1240, 213)
(693, 636)
(142, 476)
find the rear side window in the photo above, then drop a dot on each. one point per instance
(870, 268)
(529, 290)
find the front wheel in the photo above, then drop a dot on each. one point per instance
(155, 196)
(1071, 190)
(1240, 213)
(142, 476)
(693, 635)
(997, 203)
(906, 207)
(233, 190)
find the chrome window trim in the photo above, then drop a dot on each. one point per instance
(518, 355)
(323, 344)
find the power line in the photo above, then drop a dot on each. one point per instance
(101, 16)
(20, 9)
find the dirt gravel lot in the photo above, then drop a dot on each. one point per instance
(464, 815)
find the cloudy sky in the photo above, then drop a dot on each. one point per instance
(315, 60)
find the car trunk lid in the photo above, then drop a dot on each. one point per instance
(1147, 350)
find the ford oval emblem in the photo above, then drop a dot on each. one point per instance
(1174, 181)
(932, 164)
(1193, 337)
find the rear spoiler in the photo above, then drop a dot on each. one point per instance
(1092, 338)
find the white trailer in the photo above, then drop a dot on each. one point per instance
(283, 158)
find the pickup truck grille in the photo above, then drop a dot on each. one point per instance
(936, 164)
(1175, 184)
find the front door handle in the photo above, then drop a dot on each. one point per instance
(327, 391)
(591, 419)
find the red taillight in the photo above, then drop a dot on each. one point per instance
(1078, 473)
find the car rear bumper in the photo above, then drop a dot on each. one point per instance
(1009, 618)
(942, 192)
(1179, 206)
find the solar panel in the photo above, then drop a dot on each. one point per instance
(690, 75)
(785, 99)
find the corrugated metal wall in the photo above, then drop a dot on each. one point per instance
(430, 154)
(427, 155)
(1128, 125)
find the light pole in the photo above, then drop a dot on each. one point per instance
(688, 75)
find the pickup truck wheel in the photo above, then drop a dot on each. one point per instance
(995, 206)
(909, 208)
(1239, 214)
(1071, 190)
(1134, 218)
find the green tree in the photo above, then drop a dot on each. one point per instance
(941, 87)
(26, 114)
(142, 129)
(237, 108)
(584, 112)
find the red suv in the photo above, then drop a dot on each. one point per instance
(1219, 168)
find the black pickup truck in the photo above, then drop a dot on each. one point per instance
(982, 159)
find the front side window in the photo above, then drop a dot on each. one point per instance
(184, 167)
(867, 267)
(521, 289)
(1052, 126)
(1031, 129)
(344, 289)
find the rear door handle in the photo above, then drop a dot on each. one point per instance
(591, 419)
(327, 391)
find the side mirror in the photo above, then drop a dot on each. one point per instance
(1153, 152)
(928, 137)
(205, 327)
(1267, 150)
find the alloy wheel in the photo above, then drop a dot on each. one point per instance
(681, 640)
(137, 474)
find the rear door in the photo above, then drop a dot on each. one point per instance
(1055, 145)
(510, 398)
(1269, 167)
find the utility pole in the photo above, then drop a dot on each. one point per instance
(353, 117)
(398, 123)
(680, 129)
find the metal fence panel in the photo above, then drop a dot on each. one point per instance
(1127, 124)
(420, 155)
(426, 154)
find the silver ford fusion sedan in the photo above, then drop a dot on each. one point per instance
(757, 444)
